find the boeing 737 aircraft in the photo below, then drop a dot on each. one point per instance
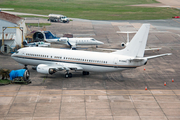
(51, 60)
(72, 42)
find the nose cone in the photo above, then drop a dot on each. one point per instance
(12, 56)
(99, 43)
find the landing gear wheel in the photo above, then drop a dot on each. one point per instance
(85, 73)
(68, 75)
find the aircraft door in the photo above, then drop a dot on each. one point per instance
(115, 61)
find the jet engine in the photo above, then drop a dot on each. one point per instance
(26, 75)
(21, 73)
(123, 44)
(45, 69)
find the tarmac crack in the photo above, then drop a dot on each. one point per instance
(107, 95)
(159, 105)
(36, 103)
(61, 101)
(13, 101)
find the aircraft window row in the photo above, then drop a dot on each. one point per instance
(37, 55)
(67, 58)
(78, 59)
(83, 40)
(63, 39)
(122, 61)
(86, 60)
(57, 57)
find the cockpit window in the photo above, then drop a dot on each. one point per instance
(93, 39)
(17, 52)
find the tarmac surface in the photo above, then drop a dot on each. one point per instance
(102, 96)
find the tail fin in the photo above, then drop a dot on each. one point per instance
(49, 35)
(136, 46)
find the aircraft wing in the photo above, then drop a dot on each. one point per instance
(71, 44)
(107, 49)
(152, 49)
(68, 66)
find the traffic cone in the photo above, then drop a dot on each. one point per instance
(172, 80)
(146, 88)
(144, 68)
(164, 83)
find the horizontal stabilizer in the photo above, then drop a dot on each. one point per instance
(137, 59)
(148, 49)
(155, 56)
(152, 49)
(107, 49)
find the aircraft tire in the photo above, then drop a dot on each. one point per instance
(85, 73)
(70, 75)
(66, 75)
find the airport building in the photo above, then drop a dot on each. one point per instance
(12, 30)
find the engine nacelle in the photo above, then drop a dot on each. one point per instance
(123, 44)
(45, 69)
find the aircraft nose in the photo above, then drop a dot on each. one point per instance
(13, 55)
(100, 43)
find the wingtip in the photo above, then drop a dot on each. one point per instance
(169, 53)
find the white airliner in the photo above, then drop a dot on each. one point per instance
(72, 42)
(51, 60)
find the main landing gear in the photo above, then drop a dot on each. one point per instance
(68, 75)
(85, 73)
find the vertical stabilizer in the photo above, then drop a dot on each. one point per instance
(136, 46)
(49, 35)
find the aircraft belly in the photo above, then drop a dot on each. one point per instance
(100, 68)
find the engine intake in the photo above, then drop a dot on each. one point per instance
(123, 44)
